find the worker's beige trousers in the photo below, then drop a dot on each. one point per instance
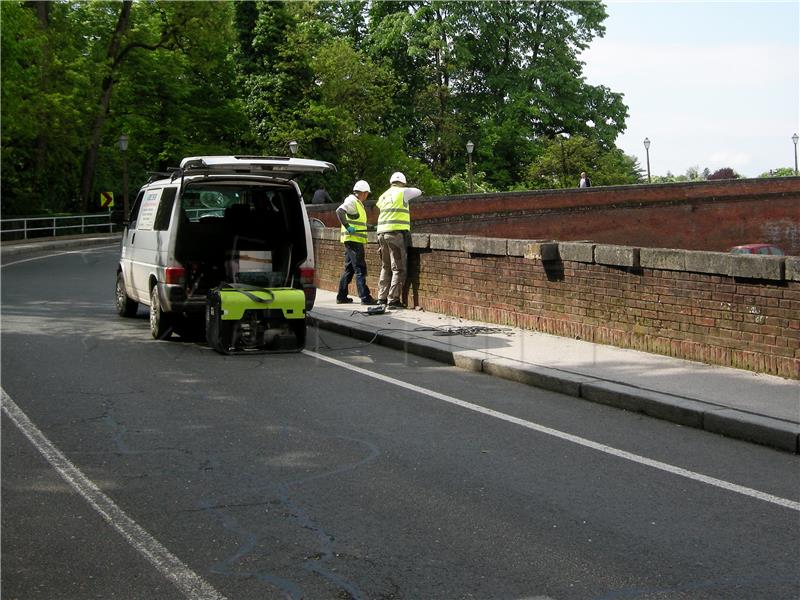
(392, 248)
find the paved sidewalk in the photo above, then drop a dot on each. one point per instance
(733, 402)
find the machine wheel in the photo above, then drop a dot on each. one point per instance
(160, 322)
(299, 329)
(125, 306)
(190, 327)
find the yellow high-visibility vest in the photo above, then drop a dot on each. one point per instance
(394, 214)
(359, 223)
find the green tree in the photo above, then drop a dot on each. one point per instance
(563, 159)
(278, 40)
(22, 44)
(370, 86)
(180, 102)
(115, 54)
(779, 172)
(45, 74)
(176, 27)
(76, 75)
(500, 73)
(347, 19)
(692, 174)
(460, 184)
(353, 94)
(310, 83)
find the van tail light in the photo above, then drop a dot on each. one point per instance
(175, 275)
(307, 283)
(306, 276)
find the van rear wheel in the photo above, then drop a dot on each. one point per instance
(125, 306)
(160, 322)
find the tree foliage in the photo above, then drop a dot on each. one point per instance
(373, 87)
(779, 172)
(499, 73)
(562, 160)
(723, 173)
(82, 74)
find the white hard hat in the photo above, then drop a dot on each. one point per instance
(397, 177)
(361, 186)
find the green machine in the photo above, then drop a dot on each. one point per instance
(243, 318)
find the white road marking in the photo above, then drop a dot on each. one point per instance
(79, 251)
(169, 565)
(642, 460)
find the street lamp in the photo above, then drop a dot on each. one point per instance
(123, 148)
(470, 148)
(647, 149)
(293, 147)
(794, 139)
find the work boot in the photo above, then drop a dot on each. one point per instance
(344, 301)
(369, 300)
(395, 304)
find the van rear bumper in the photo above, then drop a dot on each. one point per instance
(175, 300)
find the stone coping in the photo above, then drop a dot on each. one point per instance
(683, 190)
(746, 266)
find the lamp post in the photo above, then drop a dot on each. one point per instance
(123, 148)
(470, 148)
(293, 147)
(794, 139)
(647, 150)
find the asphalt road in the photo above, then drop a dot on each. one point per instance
(290, 476)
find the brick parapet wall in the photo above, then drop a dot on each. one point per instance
(738, 311)
(709, 215)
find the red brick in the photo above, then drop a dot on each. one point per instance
(689, 315)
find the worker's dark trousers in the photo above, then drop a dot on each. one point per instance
(354, 264)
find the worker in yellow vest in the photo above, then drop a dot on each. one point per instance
(353, 218)
(394, 236)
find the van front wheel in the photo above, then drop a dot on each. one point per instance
(160, 322)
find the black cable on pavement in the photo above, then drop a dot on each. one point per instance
(444, 330)
(466, 330)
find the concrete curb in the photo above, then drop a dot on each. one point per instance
(688, 412)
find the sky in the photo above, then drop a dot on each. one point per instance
(711, 84)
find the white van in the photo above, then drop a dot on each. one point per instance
(192, 230)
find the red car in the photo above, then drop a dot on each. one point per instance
(769, 249)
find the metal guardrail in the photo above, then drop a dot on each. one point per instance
(24, 228)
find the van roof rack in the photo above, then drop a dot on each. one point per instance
(156, 175)
(278, 166)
